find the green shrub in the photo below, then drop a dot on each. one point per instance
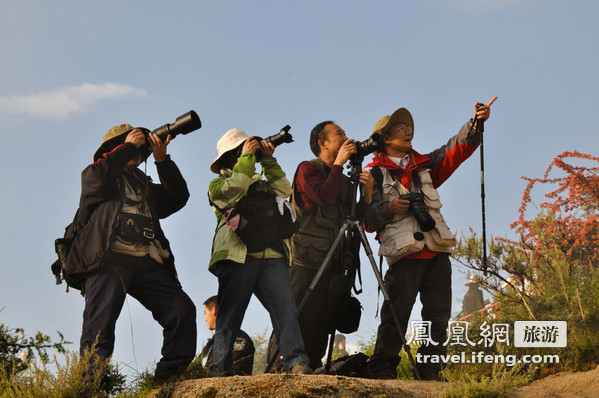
(15, 348)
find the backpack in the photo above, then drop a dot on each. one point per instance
(62, 246)
(261, 219)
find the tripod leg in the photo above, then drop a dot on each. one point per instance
(317, 277)
(383, 288)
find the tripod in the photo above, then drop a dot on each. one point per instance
(353, 226)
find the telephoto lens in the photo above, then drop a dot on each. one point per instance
(184, 124)
(281, 137)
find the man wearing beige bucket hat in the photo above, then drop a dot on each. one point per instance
(415, 240)
(121, 249)
(240, 271)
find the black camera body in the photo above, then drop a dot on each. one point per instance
(366, 147)
(426, 222)
(369, 145)
(184, 124)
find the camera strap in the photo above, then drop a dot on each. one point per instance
(138, 186)
(416, 181)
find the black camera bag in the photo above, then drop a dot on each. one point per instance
(135, 228)
(355, 365)
(258, 221)
(345, 309)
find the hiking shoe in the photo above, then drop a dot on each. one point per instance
(301, 368)
(159, 382)
(382, 375)
(431, 375)
(106, 384)
(178, 375)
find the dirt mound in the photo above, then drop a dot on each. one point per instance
(295, 386)
(563, 385)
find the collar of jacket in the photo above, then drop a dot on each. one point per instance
(416, 160)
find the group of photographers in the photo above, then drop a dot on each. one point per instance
(121, 249)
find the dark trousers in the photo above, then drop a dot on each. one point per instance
(150, 284)
(315, 317)
(404, 280)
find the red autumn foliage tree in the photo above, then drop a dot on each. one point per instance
(551, 272)
(571, 214)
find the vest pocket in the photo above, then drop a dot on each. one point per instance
(395, 241)
(443, 231)
(431, 197)
(310, 248)
(328, 217)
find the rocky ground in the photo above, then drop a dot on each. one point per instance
(563, 385)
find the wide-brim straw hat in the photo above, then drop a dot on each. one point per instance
(473, 280)
(228, 142)
(402, 115)
(113, 136)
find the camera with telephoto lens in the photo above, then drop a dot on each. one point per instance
(366, 147)
(184, 124)
(281, 137)
(426, 222)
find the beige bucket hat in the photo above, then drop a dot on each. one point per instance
(113, 136)
(228, 142)
(402, 115)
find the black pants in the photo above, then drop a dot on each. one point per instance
(315, 318)
(404, 280)
(150, 284)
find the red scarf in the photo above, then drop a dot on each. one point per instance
(384, 162)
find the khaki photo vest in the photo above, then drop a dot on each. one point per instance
(397, 237)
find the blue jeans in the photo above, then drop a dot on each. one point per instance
(268, 279)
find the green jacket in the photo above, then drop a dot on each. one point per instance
(227, 190)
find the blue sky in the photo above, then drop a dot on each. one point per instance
(74, 69)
